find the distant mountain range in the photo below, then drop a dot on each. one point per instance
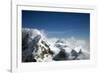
(36, 47)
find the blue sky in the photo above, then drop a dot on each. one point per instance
(58, 24)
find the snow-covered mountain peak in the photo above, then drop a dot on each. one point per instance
(36, 46)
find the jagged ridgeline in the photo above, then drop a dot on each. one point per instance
(36, 47)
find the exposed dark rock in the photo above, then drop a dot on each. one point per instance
(62, 55)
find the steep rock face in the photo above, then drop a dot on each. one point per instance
(27, 46)
(35, 47)
(42, 52)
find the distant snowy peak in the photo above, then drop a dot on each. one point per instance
(61, 44)
(77, 49)
(60, 41)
